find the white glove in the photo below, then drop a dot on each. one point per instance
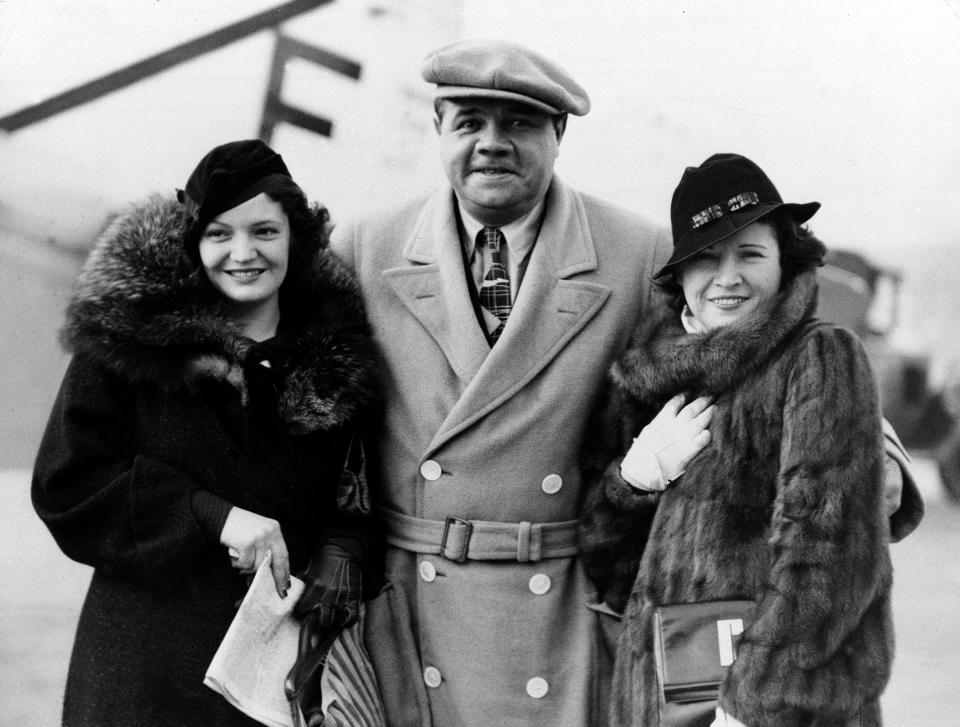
(662, 450)
(723, 719)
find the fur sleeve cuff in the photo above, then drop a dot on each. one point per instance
(622, 494)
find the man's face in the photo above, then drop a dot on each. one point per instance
(498, 156)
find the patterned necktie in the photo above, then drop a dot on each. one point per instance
(495, 288)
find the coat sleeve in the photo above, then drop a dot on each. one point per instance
(354, 523)
(910, 509)
(822, 641)
(107, 506)
(615, 517)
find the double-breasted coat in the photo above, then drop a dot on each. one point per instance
(166, 413)
(491, 436)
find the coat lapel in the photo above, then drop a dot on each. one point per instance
(434, 287)
(550, 310)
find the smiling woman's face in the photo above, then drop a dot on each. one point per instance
(245, 252)
(734, 277)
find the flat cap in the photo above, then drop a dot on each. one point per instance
(498, 69)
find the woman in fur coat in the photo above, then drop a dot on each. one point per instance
(783, 506)
(221, 376)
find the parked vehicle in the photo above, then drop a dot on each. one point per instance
(865, 297)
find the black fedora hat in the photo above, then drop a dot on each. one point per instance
(720, 197)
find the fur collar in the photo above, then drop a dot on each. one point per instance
(141, 309)
(662, 359)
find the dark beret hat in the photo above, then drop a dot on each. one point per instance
(723, 195)
(497, 69)
(229, 175)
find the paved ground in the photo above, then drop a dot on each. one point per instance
(41, 592)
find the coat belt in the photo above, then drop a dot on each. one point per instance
(459, 539)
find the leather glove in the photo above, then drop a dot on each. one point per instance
(333, 587)
(662, 450)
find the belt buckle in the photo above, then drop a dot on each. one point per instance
(462, 557)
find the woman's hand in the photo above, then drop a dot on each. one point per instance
(662, 450)
(892, 485)
(249, 537)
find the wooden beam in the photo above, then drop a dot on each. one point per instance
(288, 48)
(156, 64)
(275, 110)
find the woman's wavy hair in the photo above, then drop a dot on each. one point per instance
(800, 251)
(309, 230)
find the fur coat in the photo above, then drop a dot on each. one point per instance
(783, 506)
(166, 417)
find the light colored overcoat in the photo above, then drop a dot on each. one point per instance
(492, 642)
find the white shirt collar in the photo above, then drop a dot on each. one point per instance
(520, 234)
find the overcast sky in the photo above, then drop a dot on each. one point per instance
(851, 103)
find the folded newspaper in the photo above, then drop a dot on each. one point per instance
(258, 651)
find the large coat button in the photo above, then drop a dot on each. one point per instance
(537, 687)
(432, 677)
(430, 470)
(551, 484)
(428, 571)
(540, 584)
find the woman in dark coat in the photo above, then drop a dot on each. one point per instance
(784, 504)
(221, 377)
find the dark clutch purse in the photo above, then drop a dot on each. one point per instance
(695, 643)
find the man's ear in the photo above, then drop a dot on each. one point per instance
(438, 114)
(560, 125)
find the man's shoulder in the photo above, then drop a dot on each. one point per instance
(625, 237)
(601, 211)
(390, 215)
(375, 232)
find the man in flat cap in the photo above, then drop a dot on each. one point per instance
(498, 302)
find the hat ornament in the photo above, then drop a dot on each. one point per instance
(716, 211)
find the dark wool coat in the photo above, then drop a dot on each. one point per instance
(165, 399)
(784, 506)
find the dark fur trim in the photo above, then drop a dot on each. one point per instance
(142, 309)
(663, 359)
